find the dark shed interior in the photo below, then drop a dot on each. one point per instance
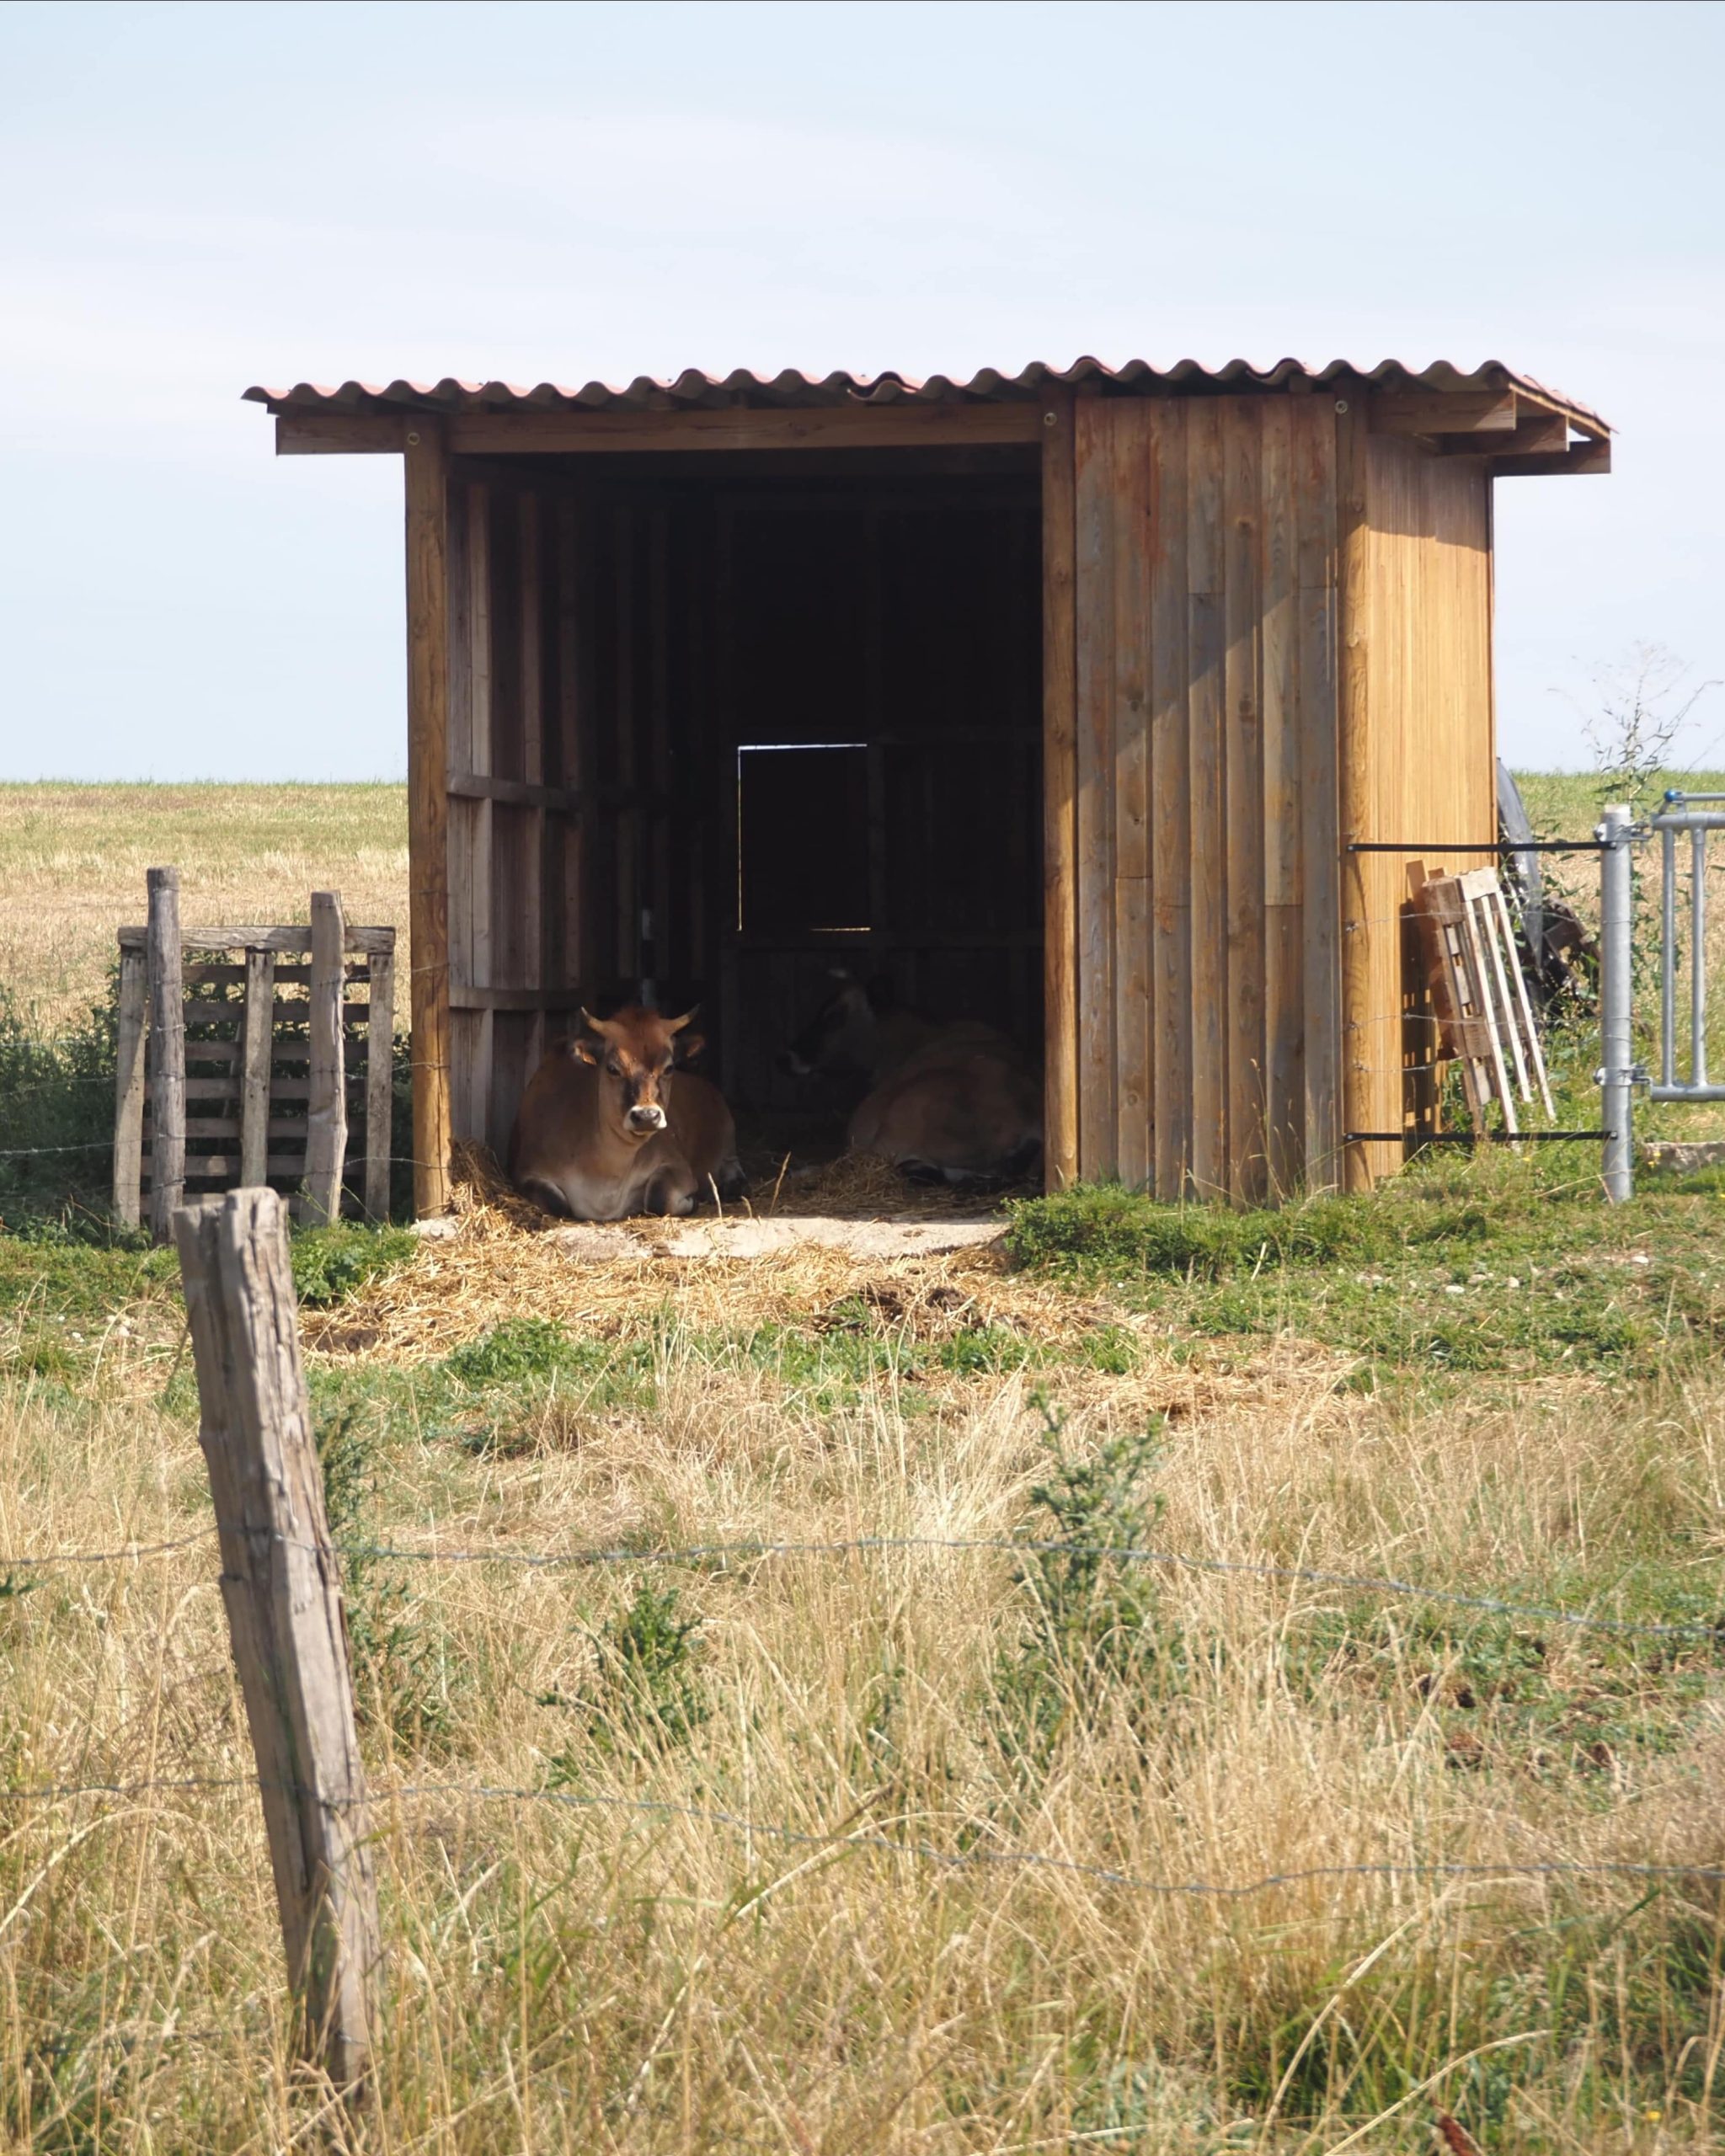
(725, 721)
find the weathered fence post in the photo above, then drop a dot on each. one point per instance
(1616, 1043)
(282, 1591)
(326, 1112)
(129, 1085)
(167, 1046)
(257, 1053)
(380, 1081)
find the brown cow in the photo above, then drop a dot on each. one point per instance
(608, 1127)
(955, 1102)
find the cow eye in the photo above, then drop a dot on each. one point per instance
(614, 1067)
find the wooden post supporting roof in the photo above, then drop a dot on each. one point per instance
(1060, 717)
(427, 475)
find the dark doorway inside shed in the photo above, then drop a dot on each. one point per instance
(810, 736)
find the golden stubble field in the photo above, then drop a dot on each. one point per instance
(72, 860)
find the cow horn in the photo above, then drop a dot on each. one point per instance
(603, 1027)
(676, 1025)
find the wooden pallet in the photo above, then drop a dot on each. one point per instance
(245, 1056)
(1485, 1019)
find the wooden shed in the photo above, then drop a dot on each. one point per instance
(1060, 697)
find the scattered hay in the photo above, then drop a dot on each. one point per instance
(499, 1263)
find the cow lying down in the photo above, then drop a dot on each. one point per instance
(956, 1102)
(610, 1125)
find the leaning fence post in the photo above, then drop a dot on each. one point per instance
(167, 1048)
(326, 1112)
(1616, 1045)
(282, 1592)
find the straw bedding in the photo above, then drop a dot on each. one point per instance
(503, 1260)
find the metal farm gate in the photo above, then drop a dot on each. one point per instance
(1696, 815)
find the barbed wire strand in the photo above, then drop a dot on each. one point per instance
(1505, 1868)
(1302, 1575)
(753, 1551)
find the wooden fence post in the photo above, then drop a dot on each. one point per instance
(129, 1087)
(168, 1039)
(326, 1113)
(257, 1051)
(282, 1591)
(380, 1081)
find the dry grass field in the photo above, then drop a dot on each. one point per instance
(971, 1850)
(72, 860)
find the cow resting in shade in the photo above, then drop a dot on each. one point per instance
(955, 1102)
(611, 1123)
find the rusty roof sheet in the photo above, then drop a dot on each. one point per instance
(693, 388)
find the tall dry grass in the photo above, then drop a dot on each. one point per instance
(645, 1965)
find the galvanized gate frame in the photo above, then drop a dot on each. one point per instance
(1620, 1075)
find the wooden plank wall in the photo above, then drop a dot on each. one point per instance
(1418, 756)
(1208, 967)
(513, 756)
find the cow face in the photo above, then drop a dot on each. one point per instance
(634, 1053)
(842, 1035)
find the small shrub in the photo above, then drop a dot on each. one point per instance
(1094, 1616)
(646, 1688)
(330, 1264)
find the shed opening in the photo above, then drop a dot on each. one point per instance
(752, 722)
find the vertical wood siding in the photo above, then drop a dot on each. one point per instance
(1208, 988)
(1418, 753)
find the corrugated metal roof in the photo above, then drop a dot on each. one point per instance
(693, 388)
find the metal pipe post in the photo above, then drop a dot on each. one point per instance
(1615, 970)
(1667, 957)
(1698, 961)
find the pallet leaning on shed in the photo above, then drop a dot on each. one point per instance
(1479, 997)
(219, 1076)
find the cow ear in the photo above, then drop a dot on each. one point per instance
(584, 1050)
(689, 1046)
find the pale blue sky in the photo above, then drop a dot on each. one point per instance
(199, 197)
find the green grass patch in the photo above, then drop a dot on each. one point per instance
(1487, 1266)
(330, 1264)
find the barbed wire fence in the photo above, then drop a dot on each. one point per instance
(232, 1347)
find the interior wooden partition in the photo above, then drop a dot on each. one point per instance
(1264, 636)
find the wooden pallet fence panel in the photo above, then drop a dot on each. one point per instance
(237, 1084)
(326, 1114)
(258, 1038)
(168, 1050)
(281, 1589)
